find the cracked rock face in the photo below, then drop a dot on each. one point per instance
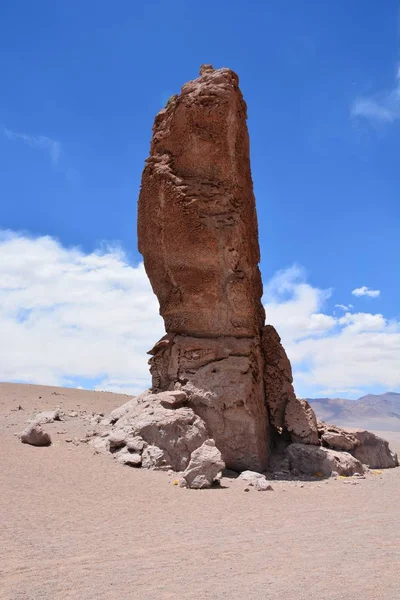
(197, 231)
(287, 413)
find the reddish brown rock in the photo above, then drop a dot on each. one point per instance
(287, 413)
(278, 376)
(301, 422)
(197, 224)
(197, 231)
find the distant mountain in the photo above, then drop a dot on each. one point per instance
(373, 411)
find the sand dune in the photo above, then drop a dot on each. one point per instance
(76, 525)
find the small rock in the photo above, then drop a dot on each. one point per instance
(262, 485)
(246, 489)
(173, 399)
(100, 444)
(35, 436)
(135, 444)
(153, 458)
(73, 414)
(132, 460)
(116, 439)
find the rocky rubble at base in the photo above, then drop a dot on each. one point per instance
(159, 431)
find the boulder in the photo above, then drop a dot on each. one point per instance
(204, 466)
(175, 432)
(310, 460)
(339, 441)
(132, 459)
(373, 450)
(47, 416)
(251, 477)
(117, 439)
(135, 444)
(336, 438)
(35, 436)
(173, 399)
(301, 422)
(157, 428)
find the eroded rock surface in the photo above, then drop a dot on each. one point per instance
(373, 450)
(336, 438)
(301, 422)
(313, 460)
(150, 427)
(277, 376)
(287, 413)
(197, 231)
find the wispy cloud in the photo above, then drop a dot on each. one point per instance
(384, 106)
(365, 291)
(42, 142)
(344, 307)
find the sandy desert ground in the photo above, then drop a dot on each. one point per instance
(77, 525)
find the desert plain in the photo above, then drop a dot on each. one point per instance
(77, 525)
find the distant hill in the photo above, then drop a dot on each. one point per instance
(373, 411)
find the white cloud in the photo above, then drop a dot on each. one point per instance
(66, 315)
(344, 307)
(365, 291)
(52, 147)
(347, 355)
(73, 318)
(384, 106)
(293, 305)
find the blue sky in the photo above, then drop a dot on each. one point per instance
(82, 82)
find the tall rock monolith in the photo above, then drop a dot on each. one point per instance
(197, 232)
